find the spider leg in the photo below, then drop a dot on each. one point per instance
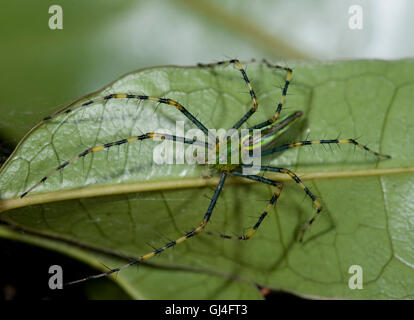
(249, 86)
(149, 135)
(272, 201)
(170, 102)
(190, 234)
(294, 177)
(331, 141)
(273, 119)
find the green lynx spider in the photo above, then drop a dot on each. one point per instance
(270, 130)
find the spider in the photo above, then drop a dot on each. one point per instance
(267, 133)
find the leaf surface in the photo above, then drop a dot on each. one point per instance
(119, 200)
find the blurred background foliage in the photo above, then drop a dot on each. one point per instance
(42, 70)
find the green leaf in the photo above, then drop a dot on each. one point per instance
(145, 281)
(120, 202)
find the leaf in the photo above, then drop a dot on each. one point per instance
(120, 201)
(145, 281)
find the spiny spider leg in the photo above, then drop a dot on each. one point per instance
(273, 119)
(190, 234)
(272, 201)
(149, 135)
(166, 101)
(331, 141)
(249, 86)
(294, 177)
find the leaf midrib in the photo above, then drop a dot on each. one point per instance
(183, 183)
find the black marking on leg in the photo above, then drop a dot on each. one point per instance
(87, 103)
(261, 218)
(84, 153)
(171, 244)
(190, 234)
(62, 165)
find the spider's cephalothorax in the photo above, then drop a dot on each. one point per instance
(260, 138)
(229, 155)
